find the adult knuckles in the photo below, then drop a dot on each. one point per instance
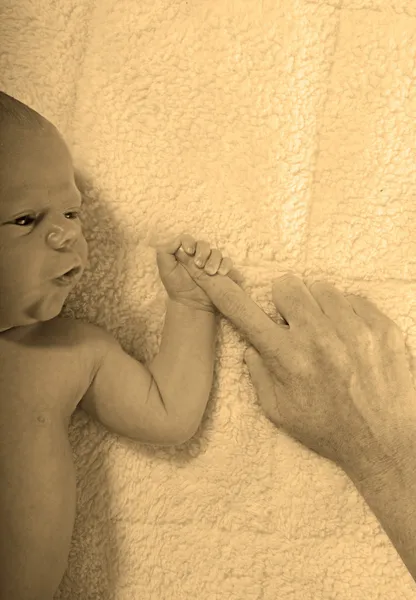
(380, 328)
(288, 278)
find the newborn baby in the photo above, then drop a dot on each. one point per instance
(49, 365)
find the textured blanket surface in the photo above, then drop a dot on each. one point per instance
(282, 132)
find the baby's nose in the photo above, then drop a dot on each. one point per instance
(61, 235)
(53, 236)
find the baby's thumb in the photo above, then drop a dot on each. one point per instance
(169, 245)
(263, 383)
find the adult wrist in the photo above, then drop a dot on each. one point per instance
(389, 453)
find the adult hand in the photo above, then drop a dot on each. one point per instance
(336, 378)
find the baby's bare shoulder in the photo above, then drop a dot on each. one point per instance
(76, 335)
(82, 346)
(58, 357)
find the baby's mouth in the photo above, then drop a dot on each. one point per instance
(72, 272)
(69, 275)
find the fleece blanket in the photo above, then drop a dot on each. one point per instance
(282, 132)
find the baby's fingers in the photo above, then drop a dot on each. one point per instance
(236, 276)
(198, 274)
(227, 269)
(225, 266)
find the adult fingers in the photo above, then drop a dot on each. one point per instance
(269, 338)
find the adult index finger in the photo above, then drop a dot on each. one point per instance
(233, 302)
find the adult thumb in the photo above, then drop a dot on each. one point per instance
(263, 383)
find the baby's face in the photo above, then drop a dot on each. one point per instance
(40, 231)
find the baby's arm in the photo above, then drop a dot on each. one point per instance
(184, 367)
(142, 403)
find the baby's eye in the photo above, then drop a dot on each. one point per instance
(16, 221)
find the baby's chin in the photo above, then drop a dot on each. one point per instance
(48, 307)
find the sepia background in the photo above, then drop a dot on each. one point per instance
(282, 132)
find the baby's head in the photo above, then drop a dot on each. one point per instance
(40, 231)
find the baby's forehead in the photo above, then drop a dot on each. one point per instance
(15, 137)
(37, 178)
(31, 158)
(21, 149)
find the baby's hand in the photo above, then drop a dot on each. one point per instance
(205, 258)
(183, 261)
